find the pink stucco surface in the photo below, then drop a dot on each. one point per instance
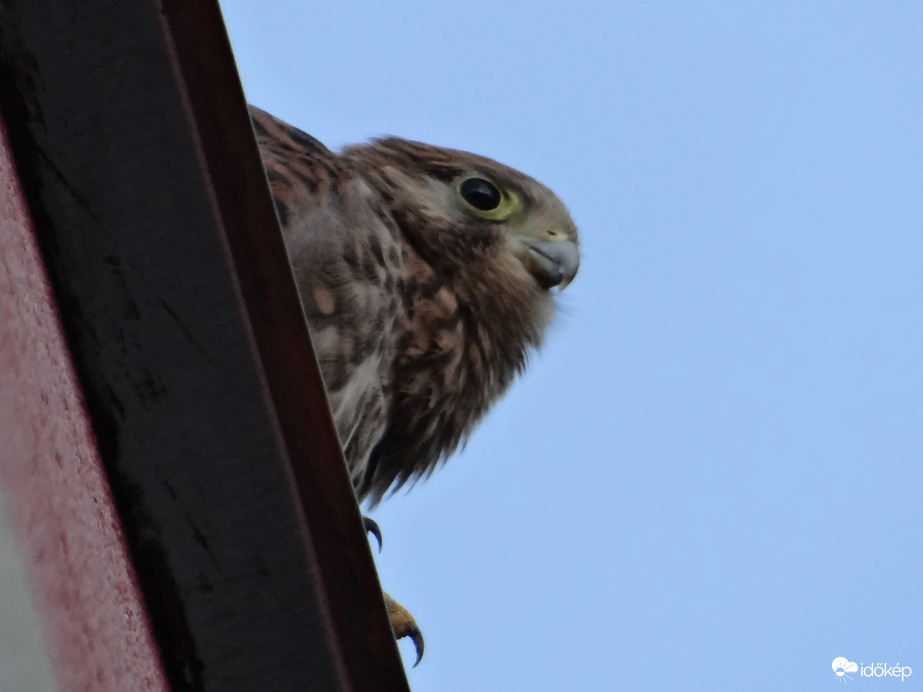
(54, 489)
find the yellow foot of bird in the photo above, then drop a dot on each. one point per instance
(402, 622)
(404, 625)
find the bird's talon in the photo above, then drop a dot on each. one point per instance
(371, 526)
(404, 625)
(416, 636)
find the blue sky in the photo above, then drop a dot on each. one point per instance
(710, 478)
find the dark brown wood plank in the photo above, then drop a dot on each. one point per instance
(135, 151)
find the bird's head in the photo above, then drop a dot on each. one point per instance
(460, 210)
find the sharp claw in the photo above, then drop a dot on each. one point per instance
(416, 636)
(404, 625)
(371, 526)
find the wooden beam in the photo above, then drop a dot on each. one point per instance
(135, 151)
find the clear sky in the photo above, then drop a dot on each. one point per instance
(711, 476)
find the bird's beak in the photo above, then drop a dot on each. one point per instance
(551, 263)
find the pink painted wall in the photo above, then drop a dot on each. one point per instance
(54, 490)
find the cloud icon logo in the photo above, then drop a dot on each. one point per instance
(841, 666)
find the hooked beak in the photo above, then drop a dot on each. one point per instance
(551, 263)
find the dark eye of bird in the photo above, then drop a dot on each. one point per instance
(481, 194)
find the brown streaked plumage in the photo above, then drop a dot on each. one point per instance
(425, 275)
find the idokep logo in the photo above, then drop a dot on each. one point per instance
(842, 667)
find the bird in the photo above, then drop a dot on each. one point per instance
(427, 276)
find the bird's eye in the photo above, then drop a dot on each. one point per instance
(481, 194)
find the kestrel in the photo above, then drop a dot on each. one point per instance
(426, 276)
